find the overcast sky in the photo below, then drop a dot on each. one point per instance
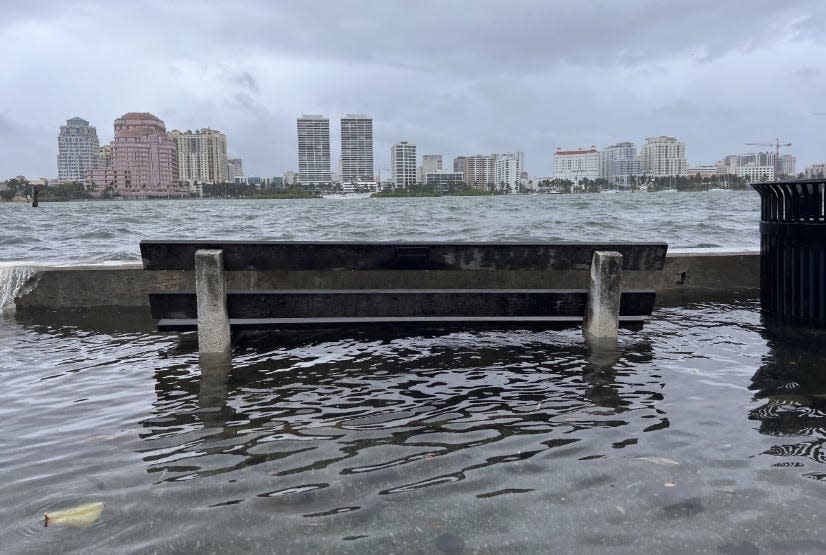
(451, 77)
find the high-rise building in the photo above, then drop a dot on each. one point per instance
(313, 149)
(617, 163)
(77, 150)
(431, 163)
(508, 168)
(202, 155)
(356, 148)
(403, 164)
(460, 164)
(480, 170)
(235, 168)
(144, 160)
(105, 157)
(753, 166)
(787, 165)
(663, 157)
(576, 165)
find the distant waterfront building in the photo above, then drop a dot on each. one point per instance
(259, 182)
(431, 163)
(105, 157)
(77, 150)
(403, 164)
(576, 165)
(313, 149)
(144, 160)
(480, 171)
(755, 173)
(459, 164)
(663, 157)
(755, 159)
(703, 171)
(444, 179)
(290, 178)
(787, 165)
(202, 155)
(508, 168)
(235, 168)
(356, 148)
(815, 171)
(617, 163)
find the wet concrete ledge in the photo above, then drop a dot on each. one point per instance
(69, 292)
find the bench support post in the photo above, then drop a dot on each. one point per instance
(602, 310)
(211, 294)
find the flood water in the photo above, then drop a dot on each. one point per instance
(704, 432)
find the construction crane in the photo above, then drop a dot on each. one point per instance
(778, 165)
(776, 144)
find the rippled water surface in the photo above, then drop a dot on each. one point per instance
(106, 231)
(704, 432)
(701, 433)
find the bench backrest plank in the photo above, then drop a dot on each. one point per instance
(332, 256)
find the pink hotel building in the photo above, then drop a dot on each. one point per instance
(144, 161)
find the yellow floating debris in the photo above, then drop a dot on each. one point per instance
(82, 515)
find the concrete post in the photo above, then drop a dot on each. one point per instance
(211, 294)
(602, 310)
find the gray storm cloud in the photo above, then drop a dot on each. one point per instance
(452, 77)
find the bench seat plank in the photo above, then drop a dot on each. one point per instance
(387, 323)
(336, 256)
(374, 303)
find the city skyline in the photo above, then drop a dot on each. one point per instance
(563, 75)
(201, 157)
(620, 160)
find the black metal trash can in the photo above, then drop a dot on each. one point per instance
(793, 252)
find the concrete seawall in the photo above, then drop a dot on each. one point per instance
(67, 292)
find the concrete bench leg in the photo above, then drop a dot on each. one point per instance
(211, 294)
(602, 311)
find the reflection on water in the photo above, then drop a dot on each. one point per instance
(791, 388)
(374, 407)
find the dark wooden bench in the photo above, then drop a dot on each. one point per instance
(291, 285)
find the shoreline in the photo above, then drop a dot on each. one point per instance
(380, 194)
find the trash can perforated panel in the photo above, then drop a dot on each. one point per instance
(793, 252)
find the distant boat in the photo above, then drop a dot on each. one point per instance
(717, 189)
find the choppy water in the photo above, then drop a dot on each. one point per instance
(108, 231)
(702, 433)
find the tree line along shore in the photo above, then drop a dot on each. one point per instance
(21, 189)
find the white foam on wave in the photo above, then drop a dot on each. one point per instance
(16, 278)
